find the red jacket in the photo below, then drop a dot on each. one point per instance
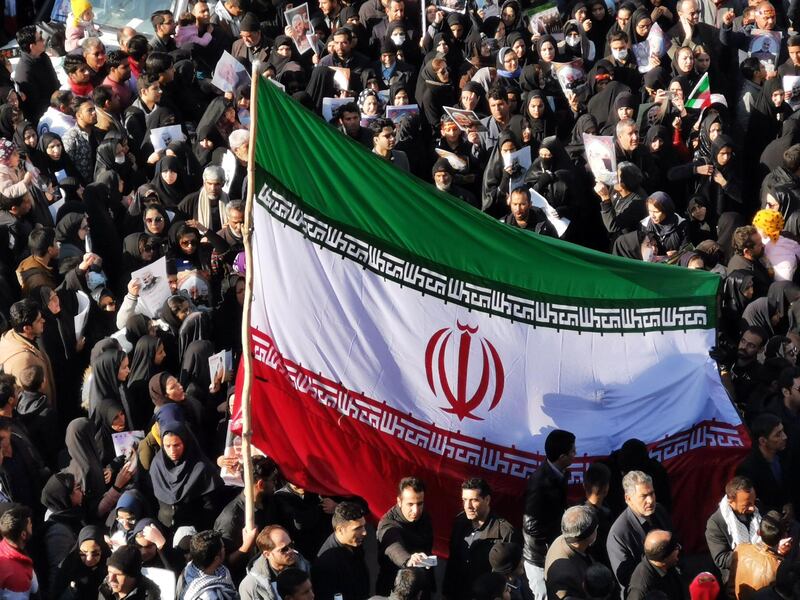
(16, 572)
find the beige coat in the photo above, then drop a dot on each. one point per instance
(17, 353)
(564, 570)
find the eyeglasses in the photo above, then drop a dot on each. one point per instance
(154, 220)
(287, 549)
(187, 243)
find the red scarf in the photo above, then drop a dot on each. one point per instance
(83, 90)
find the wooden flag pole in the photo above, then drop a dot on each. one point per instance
(247, 354)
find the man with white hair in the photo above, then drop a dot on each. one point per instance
(234, 164)
(567, 558)
(625, 543)
(207, 206)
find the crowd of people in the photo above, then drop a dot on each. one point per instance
(123, 179)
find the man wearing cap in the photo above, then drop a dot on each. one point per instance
(475, 531)
(567, 558)
(277, 555)
(252, 43)
(657, 570)
(391, 69)
(506, 558)
(125, 579)
(443, 174)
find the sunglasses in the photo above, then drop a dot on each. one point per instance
(148, 248)
(287, 549)
(186, 243)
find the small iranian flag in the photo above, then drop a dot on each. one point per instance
(701, 94)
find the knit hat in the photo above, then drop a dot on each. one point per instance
(387, 46)
(769, 222)
(250, 23)
(7, 148)
(79, 7)
(504, 557)
(442, 164)
(127, 559)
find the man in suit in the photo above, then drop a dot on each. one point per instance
(657, 571)
(545, 502)
(626, 539)
(567, 559)
(735, 522)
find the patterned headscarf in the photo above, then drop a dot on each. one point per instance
(769, 222)
(7, 148)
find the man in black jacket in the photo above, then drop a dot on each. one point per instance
(626, 539)
(475, 531)
(405, 536)
(340, 567)
(545, 502)
(34, 75)
(657, 570)
(734, 522)
(770, 476)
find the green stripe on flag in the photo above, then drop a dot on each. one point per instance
(340, 182)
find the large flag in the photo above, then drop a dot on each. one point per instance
(397, 331)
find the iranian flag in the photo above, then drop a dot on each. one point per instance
(701, 94)
(397, 331)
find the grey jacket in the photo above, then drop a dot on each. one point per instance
(257, 585)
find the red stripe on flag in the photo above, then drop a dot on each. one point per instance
(335, 441)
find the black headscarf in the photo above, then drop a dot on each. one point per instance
(105, 382)
(7, 121)
(136, 326)
(189, 478)
(586, 123)
(733, 299)
(85, 456)
(196, 326)
(170, 195)
(64, 163)
(107, 410)
(194, 367)
(74, 575)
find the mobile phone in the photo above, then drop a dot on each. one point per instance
(429, 561)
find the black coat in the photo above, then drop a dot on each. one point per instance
(625, 543)
(545, 503)
(37, 80)
(398, 539)
(469, 552)
(341, 570)
(646, 579)
(772, 494)
(720, 544)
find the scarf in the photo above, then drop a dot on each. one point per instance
(737, 530)
(219, 585)
(204, 209)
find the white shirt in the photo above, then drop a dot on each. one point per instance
(783, 256)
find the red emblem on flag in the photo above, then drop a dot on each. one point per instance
(492, 375)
